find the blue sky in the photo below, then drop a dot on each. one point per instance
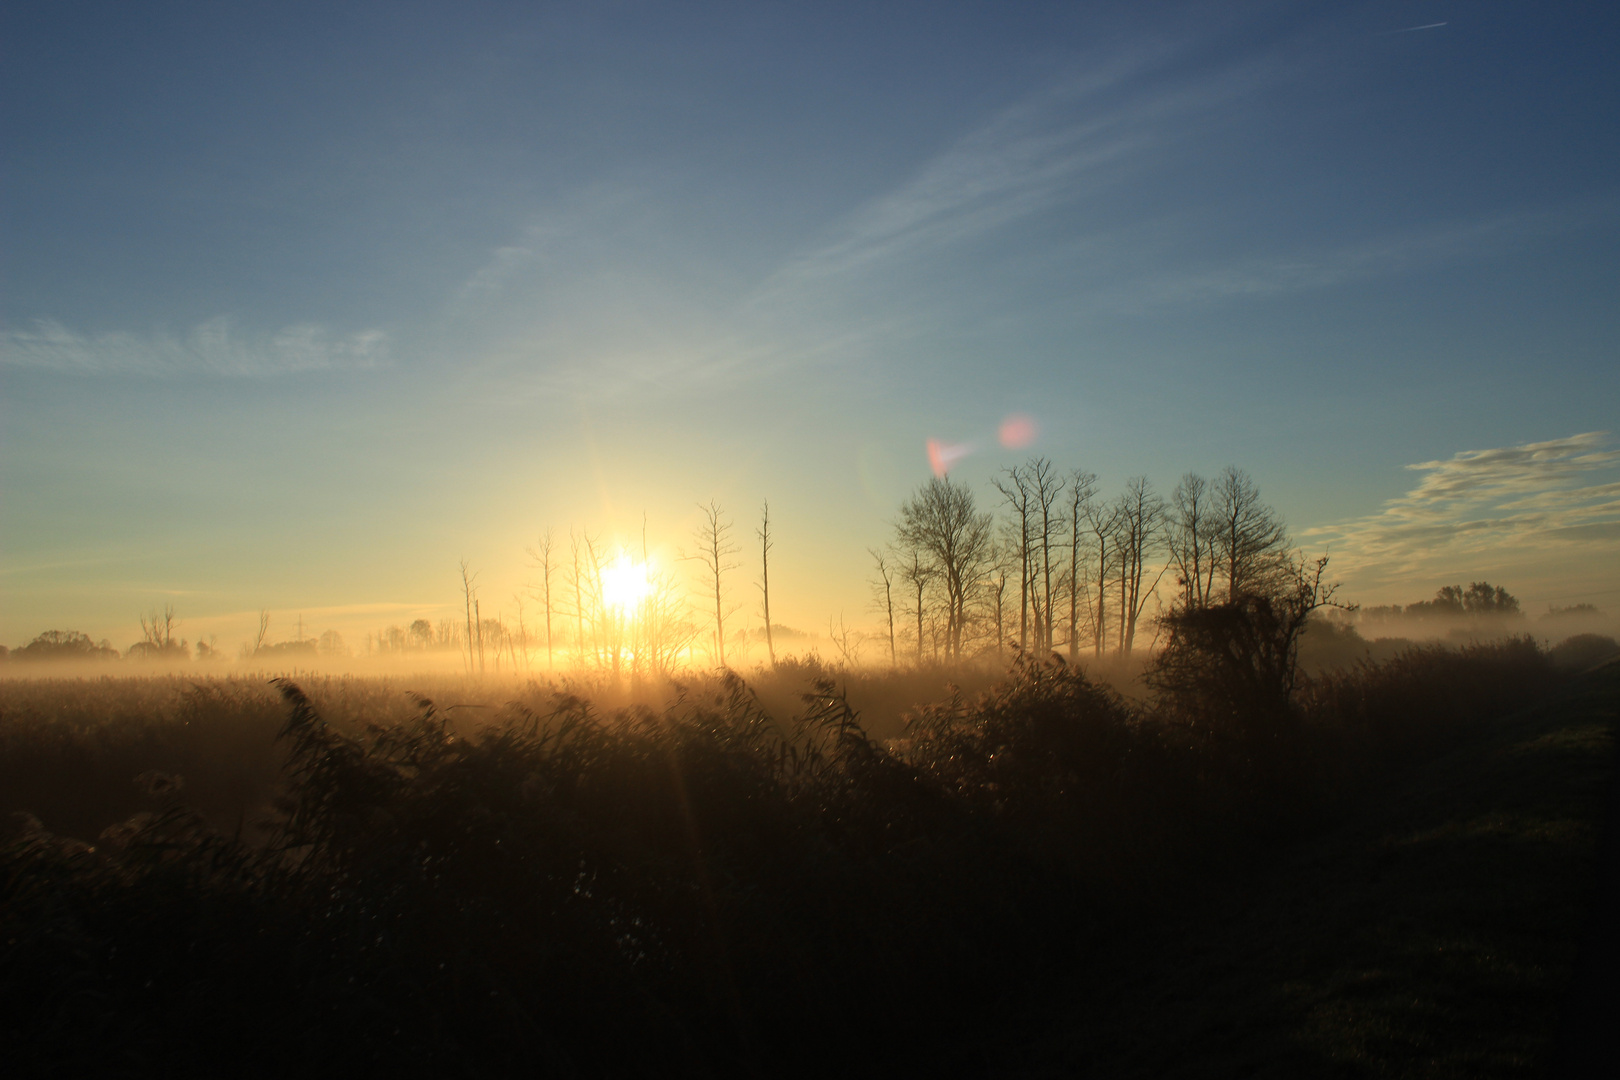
(300, 306)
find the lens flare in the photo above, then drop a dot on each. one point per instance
(942, 455)
(1018, 431)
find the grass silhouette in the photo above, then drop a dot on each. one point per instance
(708, 887)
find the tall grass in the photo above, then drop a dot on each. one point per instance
(709, 887)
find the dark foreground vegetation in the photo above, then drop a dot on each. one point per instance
(717, 887)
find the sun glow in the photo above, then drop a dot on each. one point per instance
(625, 584)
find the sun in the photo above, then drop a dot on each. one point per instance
(625, 584)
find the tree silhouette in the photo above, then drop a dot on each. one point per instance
(714, 550)
(1234, 665)
(540, 556)
(883, 594)
(1082, 500)
(1192, 541)
(1250, 543)
(942, 523)
(1139, 521)
(1015, 492)
(764, 534)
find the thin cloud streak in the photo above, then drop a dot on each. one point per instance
(1399, 253)
(1052, 148)
(1053, 152)
(1055, 147)
(211, 348)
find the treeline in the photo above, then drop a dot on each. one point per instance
(1048, 562)
(1481, 608)
(159, 642)
(1051, 564)
(1065, 567)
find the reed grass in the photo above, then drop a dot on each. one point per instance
(709, 886)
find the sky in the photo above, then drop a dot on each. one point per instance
(301, 305)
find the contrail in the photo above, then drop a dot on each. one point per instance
(1410, 29)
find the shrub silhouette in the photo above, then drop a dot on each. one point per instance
(1582, 651)
(704, 889)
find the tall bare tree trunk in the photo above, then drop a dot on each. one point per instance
(765, 575)
(886, 583)
(1046, 486)
(467, 600)
(1015, 490)
(714, 546)
(1082, 492)
(541, 556)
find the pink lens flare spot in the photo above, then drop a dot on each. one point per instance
(942, 455)
(1018, 431)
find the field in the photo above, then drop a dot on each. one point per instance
(815, 873)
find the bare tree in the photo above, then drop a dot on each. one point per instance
(158, 628)
(1250, 543)
(666, 627)
(469, 600)
(1235, 664)
(1191, 536)
(1046, 485)
(764, 534)
(607, 624)
(919, 576)
(1137, 534)
(1015, 492)
(478, 622)
(264, 630)
(1102, 524)
(845, 640)
(883, 594)
(522, 638)
(942, 522)
(595, 634)
(540, 554)
(996, 585)
(714, 549)
(1082, 499)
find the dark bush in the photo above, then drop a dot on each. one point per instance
(703, 889)
(1583, 651)
(719, 884)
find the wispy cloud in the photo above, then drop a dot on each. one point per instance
(1057, 146)
(570, 290)
(1063, 150)
(1554, 498)
(211, 348)
(1323, 267)
(492, 277)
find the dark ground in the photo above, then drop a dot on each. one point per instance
(1455, 929)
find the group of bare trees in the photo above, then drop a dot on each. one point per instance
(584, 625)
(1083, 569)
(661, 628)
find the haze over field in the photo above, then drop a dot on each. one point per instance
(303, 307)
